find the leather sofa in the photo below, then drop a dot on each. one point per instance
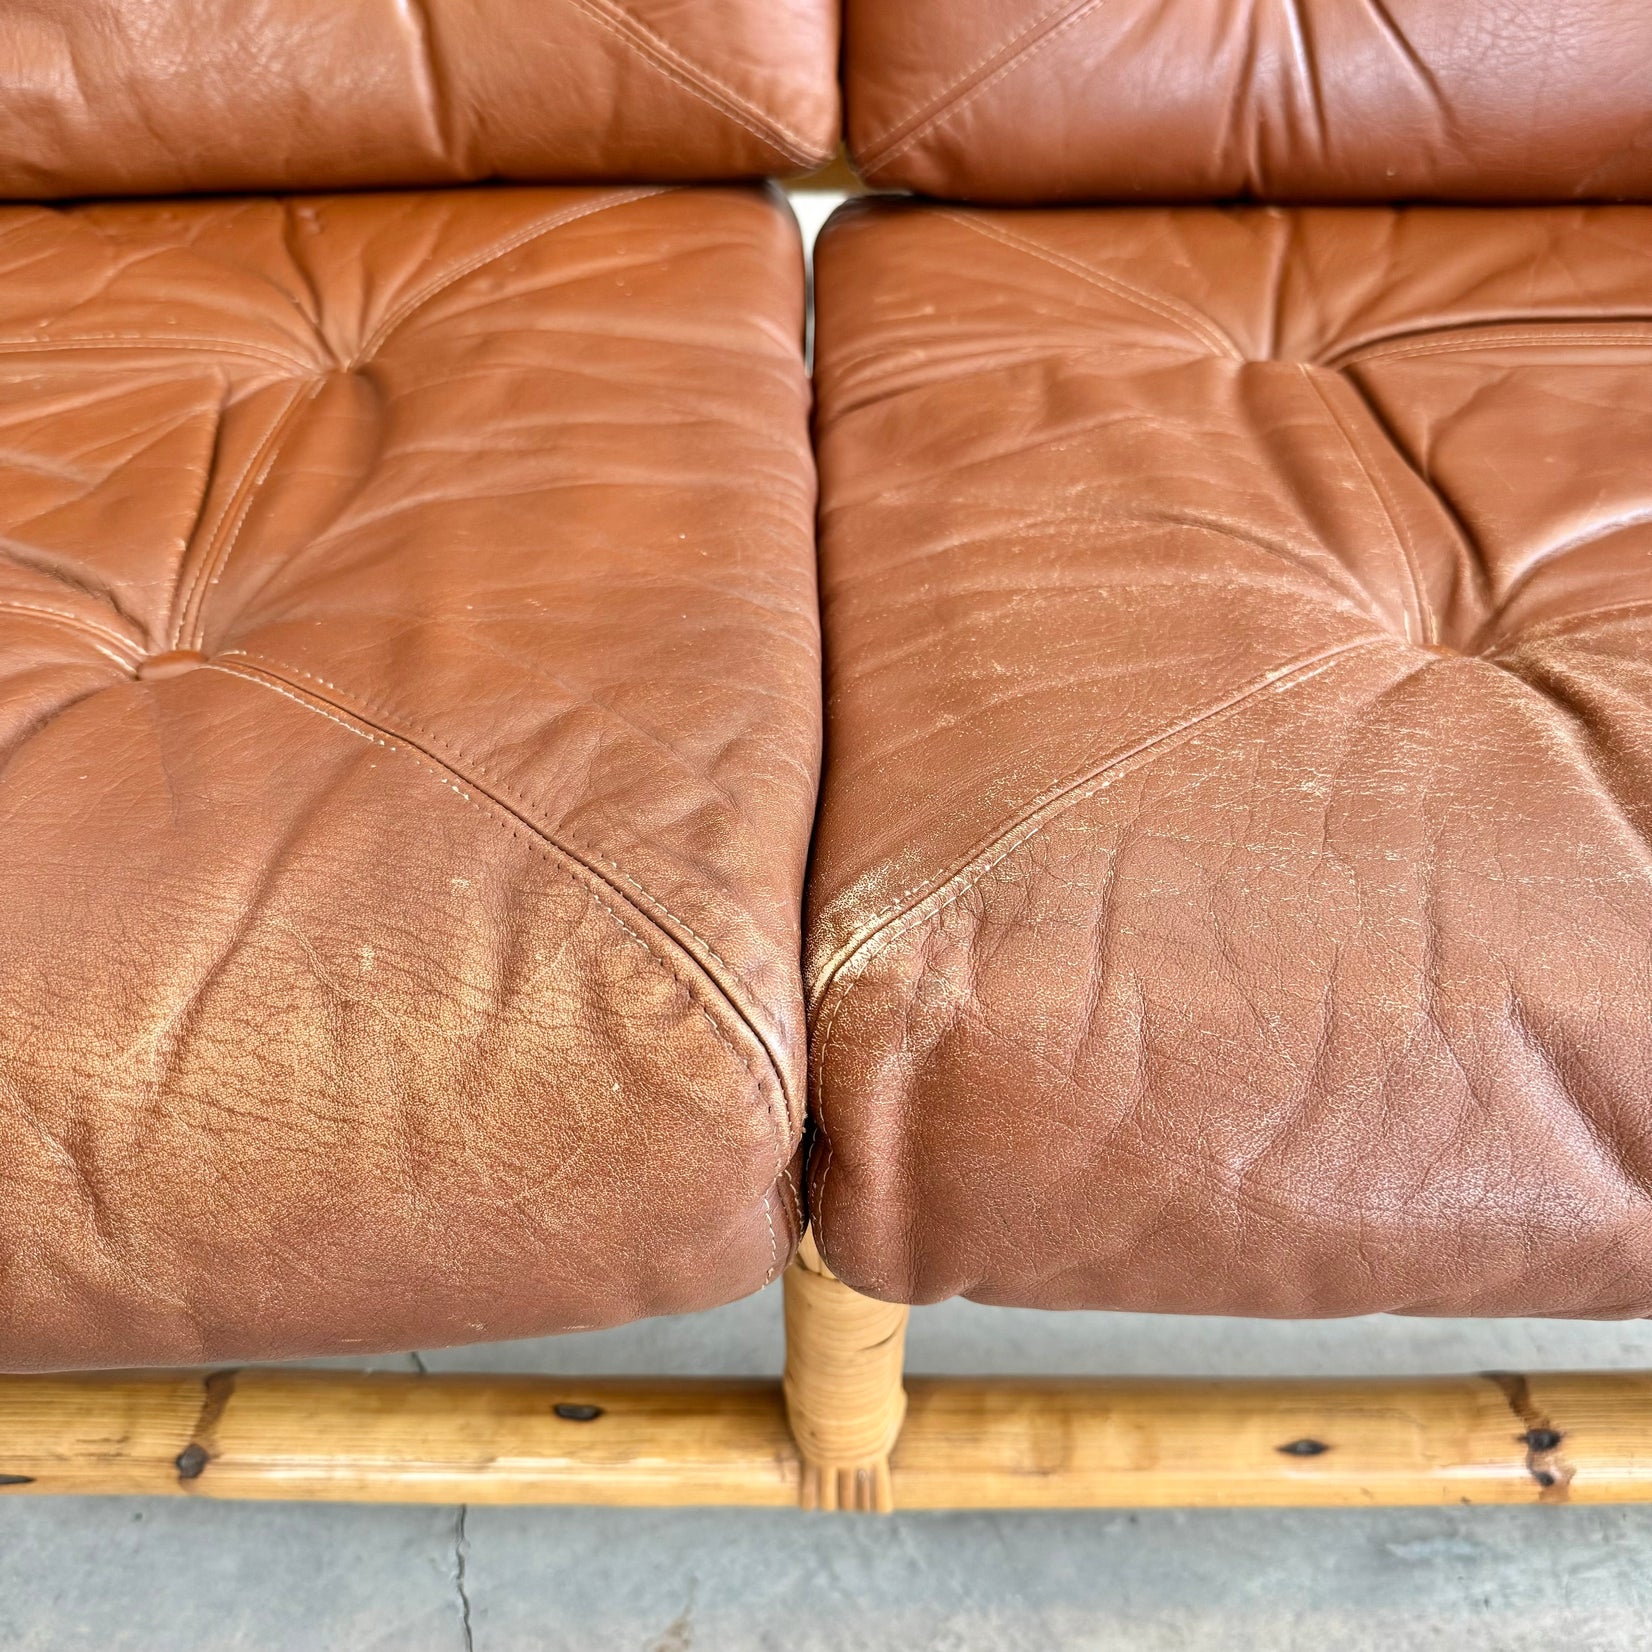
(428, 915)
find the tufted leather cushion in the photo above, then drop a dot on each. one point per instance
(1233, 892)
(408, 728)
(1059, 100)
(119, 97)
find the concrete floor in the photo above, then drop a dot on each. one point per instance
(125, 1575)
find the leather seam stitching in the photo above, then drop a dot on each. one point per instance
(76, 622)
(513, 824)
(1355, 444)
(660, 55)
(451, 278)
(1009, 843)
(1559, 629)
(572, 847)
(1190, 321)
(983, 845)
(227, 531)
(143, 341)
(959, 92)
(1557, 337)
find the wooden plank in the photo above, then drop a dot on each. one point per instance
(346, 1436)
(1496, 1438)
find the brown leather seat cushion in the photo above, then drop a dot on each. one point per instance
(408, 728)
(1233, 892)
(124, 97)
(1304, 100)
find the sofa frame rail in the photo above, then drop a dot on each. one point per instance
(345, 1436)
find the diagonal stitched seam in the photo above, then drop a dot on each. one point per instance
(1018, 835)
(519, 826)
(1065, 794)
(921, 891)
(694, 77)
(501, 249)
(228, 530)
(1372, 473)
(896, 139)
(510, 797)
(1190, 321)
(75, 622)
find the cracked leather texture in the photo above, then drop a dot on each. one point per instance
(409, 725)
(1300, 100)
(132, 97)
(1233, 892)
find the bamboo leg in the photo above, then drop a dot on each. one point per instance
(843, 1387)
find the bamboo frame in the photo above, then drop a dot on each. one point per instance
(347, 1436)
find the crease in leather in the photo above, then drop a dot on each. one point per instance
(1449, 514)
(226, 531)
(396, 725)
(1564, 547)
(467, 787)
(162, 343)
(1619, 613)
(526, 236)
(1542, 680)
(1382, 12)
(443, 127)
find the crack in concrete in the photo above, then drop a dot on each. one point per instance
(461, 1549)
(679, 1633)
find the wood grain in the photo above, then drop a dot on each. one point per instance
(346, 1436)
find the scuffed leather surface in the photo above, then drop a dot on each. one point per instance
(121, 97)
(1311, 100)
(422, 965)
(1233, 890)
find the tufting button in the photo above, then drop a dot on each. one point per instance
(174, 663)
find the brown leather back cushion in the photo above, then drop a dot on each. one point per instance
(115, 97)
(1023, 100)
